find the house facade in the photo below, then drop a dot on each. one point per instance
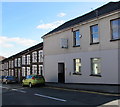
(1, 58)
(85, 49)
(29, 61)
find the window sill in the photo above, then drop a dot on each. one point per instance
(95, 75)
(94, 43)
(77, 73)
(76, 46)
(114, 40)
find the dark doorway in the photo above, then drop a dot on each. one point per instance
(61, 73)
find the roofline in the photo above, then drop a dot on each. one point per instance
(76, 18)
(24, 51)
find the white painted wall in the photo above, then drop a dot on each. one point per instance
(109, 67)
(106, 50)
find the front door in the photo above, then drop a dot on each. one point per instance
(61, 72)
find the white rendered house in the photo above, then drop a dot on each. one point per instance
(85, 49)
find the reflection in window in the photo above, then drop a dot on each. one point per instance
(94, 34)
(76, 38)
(115, 27)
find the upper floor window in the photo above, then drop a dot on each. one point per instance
(9, 64)
(94, 34)
(77, 66)
(6, 65)
(34, 56)
(19, 62)
(16, 62)
(115, 29)
(41, 56)
(23, 60)
(28, 59)
(76, 38)
(12, 64)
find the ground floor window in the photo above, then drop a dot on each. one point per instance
(77, 66)
(34, 69)
(16, 73)
(7, 73)
(12, 72)
(95, 66)
(23, 71)
(28, 70)
(40, 70)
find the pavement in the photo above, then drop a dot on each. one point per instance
(112, 89)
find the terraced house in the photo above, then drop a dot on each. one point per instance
(85, 49)
(29, 61)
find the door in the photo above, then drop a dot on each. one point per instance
(61, 73)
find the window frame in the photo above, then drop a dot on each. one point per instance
(74, 38)
(28, 59)
(91, 62)
(91, 35)
(111, 31)
(74, 66)
(40, 56)
(34, 69)
(34, 57)
(19, 62)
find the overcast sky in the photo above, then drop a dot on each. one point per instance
(24, 23)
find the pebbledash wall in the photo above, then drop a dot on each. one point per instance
(91, 57)
(29, 61)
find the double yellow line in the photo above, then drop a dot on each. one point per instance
(92, 92)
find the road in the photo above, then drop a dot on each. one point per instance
(14, 94)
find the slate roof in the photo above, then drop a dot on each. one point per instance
(40, 45)
(105, 9)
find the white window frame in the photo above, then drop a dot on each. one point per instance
(34, 56)
(16, 62)
(75, 67)
(34, 69)
(23, 60)
(28, 70)
(95, 73)
(23, 71)
(39, 71)
(28, 59)
(19, 62)
(40, 53)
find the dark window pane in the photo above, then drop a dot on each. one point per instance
(76, 38)
(115, 24)
(94, 34)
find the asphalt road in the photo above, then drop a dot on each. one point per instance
(14, 94)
